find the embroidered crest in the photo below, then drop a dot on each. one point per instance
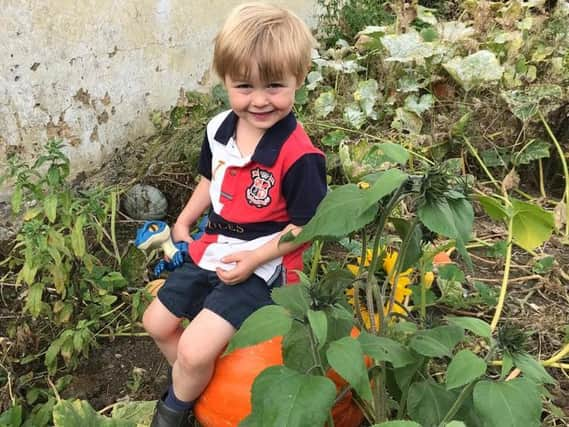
(258, 191)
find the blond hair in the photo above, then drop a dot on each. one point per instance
(272, 37)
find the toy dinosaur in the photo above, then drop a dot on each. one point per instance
(156, 235)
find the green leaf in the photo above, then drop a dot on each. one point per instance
(16, 199)
(385, 350)
(325, 104)
(407, 47)
(477, 326)
(11, 417)
(34, 299)
(138, 412)
(524, 103)
(493, 207)
(334, 138)
(319, 324)
(283, 397)
(437, 342)
(452, 218)
(512, 403)
(537, 149)
(366, 95)
(297, 347)
(543, 265)
(354, 116)
(294, 298)
(464, 368)
(349, 208)
(50, 207)
(394, 153)
(77, 237)
(532, 369)
(80, 413)
(455, 424)
(347, 359)
(429, 402)
(475, 70)
(267, 322)
(532, 225)
(419, 105)
(408, 121)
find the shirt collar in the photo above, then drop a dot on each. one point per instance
(270, 144)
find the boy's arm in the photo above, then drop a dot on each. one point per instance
(198, 203)
(248, 261)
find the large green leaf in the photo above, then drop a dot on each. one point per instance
(297, 347)
(512, 403)
(477, 326)
(429, 402)
(347, 359)
(349, 208)
(283, 397)
(451, 218)
(80, 413)
(464, 368)
(475, 70)
(532, 369)
(532, 225)
(437, 342)
(407, 47)
(319, 325)
(325, 104)
(265, 323)
(294, 298)
(386, 350)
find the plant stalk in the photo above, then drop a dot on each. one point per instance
(504, 287)
(564, 165)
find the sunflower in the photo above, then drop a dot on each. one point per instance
(401, 289)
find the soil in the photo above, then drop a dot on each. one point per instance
(127, 368)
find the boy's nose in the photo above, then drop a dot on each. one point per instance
(259, 99)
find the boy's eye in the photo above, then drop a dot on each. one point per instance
(243, 86)
(275, 85)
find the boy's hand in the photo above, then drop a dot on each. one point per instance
(245, 264)
(181, 233)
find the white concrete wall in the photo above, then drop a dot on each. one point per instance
(92, 71)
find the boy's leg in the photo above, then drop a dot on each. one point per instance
(198, 348)
(164, 328)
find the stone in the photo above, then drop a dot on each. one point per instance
(145, 202)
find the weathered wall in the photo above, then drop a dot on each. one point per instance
(92, 71)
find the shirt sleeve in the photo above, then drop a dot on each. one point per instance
(304, 187)
(204, 165)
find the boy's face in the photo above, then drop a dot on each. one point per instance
(261, 104)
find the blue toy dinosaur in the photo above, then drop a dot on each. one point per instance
(156, 234)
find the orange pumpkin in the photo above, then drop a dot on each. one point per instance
(441, 258)
(227, 399)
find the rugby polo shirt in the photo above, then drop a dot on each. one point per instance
(255, 197)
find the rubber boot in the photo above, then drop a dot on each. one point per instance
(166, 417)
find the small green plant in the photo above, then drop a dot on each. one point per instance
(67, 267)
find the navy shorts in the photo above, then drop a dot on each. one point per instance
(189, 289)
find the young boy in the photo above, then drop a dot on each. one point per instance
(262, 177)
